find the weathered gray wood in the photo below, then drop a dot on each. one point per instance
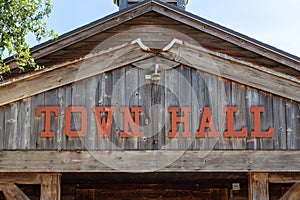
(280, 126)
(2, 127)
(212, 100)
(224, 99)
(238, 98)
(78, 99)
(24, 124)
(266, 119)
(293, 125)
(118, 100)
(104, 96)
(293, 193)
(189, 161)
(61, 96)
(90, 102)
(11, 127)
(199, 88)
(70, 72)
(51, 99)
(131, 100)
(38, 123)
(258, 186)
(276, 114)
(159, 112)
(144, 100)
(242, 73)
(172, 98)
(185, 100)
(252, 99)
(67, 101)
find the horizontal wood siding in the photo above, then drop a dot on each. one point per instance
(20, 127)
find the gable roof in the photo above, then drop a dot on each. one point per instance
(138, 54)
(81, 41)
(209, 34)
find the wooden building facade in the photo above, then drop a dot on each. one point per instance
(152, 102)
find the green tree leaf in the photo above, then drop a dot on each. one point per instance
(17, 19)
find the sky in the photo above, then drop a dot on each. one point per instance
(274, 22)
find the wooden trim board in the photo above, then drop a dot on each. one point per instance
(147, 161)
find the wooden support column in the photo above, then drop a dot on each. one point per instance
(258, 186)
(293, 193)
(50, 186)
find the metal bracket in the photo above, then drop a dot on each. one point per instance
(155, 76)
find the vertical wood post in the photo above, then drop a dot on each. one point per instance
(50, 187)
(258, 186)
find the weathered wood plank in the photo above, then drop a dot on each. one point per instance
(185, 100)
(199, 88)
(11, 127)
(131, 100)
(158, 113)
(258, 186)
(212, 100)
(118, 100)
(51, 99)
(238, 98)
(280, 126)
(245, 74)
(293, 125)
(70, 72)
(24, 124)
(288, 177)
(172, 99)
(12, 192)
(189, 161)
(224, 98)
(293, 193)
(20, 178)
(2, 127)
(144, 100)
(78, 99)
(267, 117)
(37, 123)
(252, 99)
(90, 102)
(67, 101)
(50, 186)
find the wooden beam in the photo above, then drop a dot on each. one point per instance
(20, 178)
(258, 186)
(235, 70)
(12, 192)
(284, 178)
(71, 72)
(293, 193)
(50, 186)
(142, 161)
